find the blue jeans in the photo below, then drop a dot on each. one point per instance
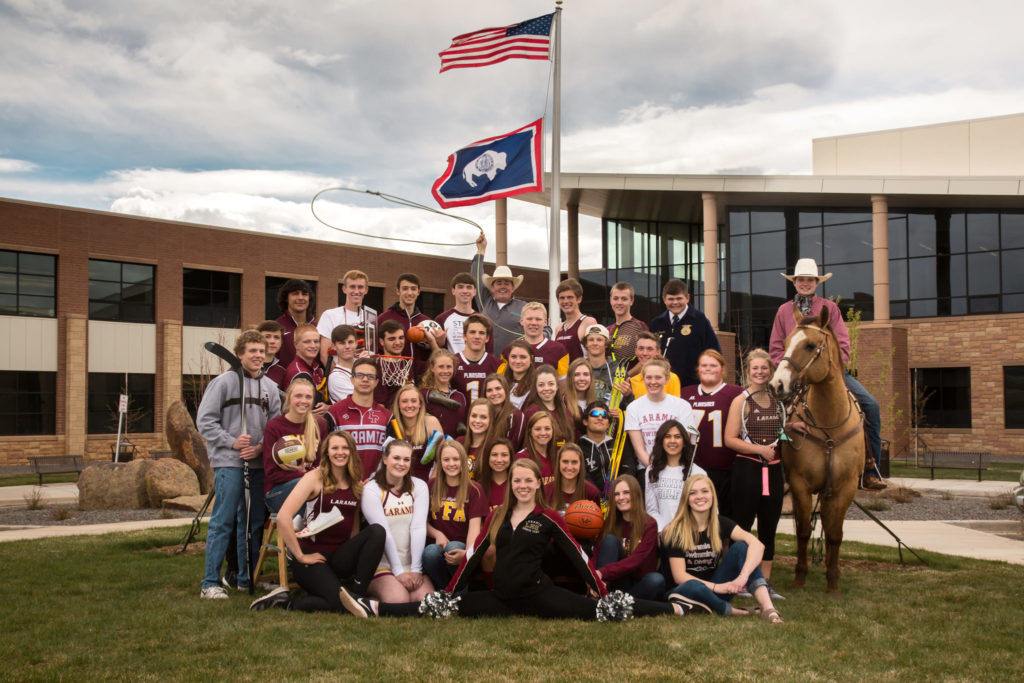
(872, 418)
(434, 565)
(727, 570)
(651, 586)
(229, 510)
(276, 496)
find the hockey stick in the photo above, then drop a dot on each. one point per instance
(193, 530)
(435, 396)
(233, 361)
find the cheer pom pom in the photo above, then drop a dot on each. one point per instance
(616, 606)
(441, 605)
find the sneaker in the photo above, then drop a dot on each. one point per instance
(361, 607)
(213, 593)
(744, 594)
(688, 605)
(773, 595)
(279, 597)
(229, 580)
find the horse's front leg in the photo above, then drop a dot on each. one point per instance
(802, 517)
(833, 515)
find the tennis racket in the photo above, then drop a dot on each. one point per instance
(764, 418)
(624, 342)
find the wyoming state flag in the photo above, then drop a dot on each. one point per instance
(501, 166)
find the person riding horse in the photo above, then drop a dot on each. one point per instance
(805, 279)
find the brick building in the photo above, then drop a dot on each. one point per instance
(87, 296)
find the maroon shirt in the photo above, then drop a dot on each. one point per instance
(469, 376)
(569, 337)
(547, 474)
(366, 425)
(713, 410)
(496, 495)
(453, 522)
(638, 561)
(331, 538)
(297, 366)
(590, 492)
(287, 351)
(449, 419)
(278, 427)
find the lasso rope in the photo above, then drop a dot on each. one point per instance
(396, 200)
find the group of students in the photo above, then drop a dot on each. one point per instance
(457, 479)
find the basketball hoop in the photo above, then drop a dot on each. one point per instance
(394, 370)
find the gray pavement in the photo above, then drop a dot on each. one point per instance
(986, 540)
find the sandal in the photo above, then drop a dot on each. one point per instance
(772, 616)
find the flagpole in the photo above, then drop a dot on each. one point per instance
(554, 244)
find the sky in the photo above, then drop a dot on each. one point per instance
(238, 113)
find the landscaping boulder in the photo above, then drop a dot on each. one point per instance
(169, 478)
(114, 486)
(187, 445)
(184, 504)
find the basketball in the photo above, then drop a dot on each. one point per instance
(288, 450)
(584, 519)
(415, 334)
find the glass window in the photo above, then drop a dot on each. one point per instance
(842, 217)
(765, 221)
(809, 219)
(957, 232)
(431, 303)
(122, 292)
(211, 298)
(272, 285)
(739, 222)
(897, 279)
(810, 244)
(1013, 396)
(897, 236)
(769, 283)
(192, 388)
(1012, 230)
(983, 273)
(1013, 270)
(1013, 303)
(105, 389)
(28, 403)
(921, 234)
(848, 243)
(739, 252)
(922, 278)
(768, 250)
(982, 232)
(947, 394)
(854, 285)
(28, 284)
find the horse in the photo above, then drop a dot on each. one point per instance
(830, 456)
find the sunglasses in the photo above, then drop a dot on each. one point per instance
(597, 412)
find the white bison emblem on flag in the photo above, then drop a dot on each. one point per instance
(488, 164)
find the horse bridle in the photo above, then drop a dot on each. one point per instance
(798, 386)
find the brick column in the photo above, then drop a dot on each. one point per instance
(170, 370)
(884, 370)
(880, 250)
(711, 257)
(76, 384)
(727, 340)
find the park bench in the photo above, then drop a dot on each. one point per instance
(957, 460)
(55, 464)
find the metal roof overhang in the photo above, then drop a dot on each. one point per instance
(678, 197)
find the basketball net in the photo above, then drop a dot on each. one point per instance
(394, 370)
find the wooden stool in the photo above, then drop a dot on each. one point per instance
(272, 544)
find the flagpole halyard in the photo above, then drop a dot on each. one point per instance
(555, 228)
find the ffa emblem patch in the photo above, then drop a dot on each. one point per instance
(684, 330)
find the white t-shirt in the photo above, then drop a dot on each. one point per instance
(333, 317)
(646, 416)
(339, 383)
(662, 496)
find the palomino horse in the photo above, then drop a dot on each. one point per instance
(830, 457)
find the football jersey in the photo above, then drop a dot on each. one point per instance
(469, 376)
(711, 411)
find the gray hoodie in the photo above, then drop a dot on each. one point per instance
(219, 418)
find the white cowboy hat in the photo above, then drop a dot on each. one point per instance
(503, 273)
(806, 267)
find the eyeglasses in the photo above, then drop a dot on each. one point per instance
(364, 375)
(597, 412)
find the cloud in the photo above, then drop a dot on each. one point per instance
(16, 165)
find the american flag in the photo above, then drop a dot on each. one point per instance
(529, 39)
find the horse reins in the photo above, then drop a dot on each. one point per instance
(805, 415)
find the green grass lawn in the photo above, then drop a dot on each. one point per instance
(997, 471)
(115, 607)
(33, 479)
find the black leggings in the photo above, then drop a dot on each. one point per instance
(550, 603)
(722, 479)
(748, 501)
(353, 562)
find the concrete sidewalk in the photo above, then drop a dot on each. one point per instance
(50, 494)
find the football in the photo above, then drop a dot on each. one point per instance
(288, 450)
(584, 519)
